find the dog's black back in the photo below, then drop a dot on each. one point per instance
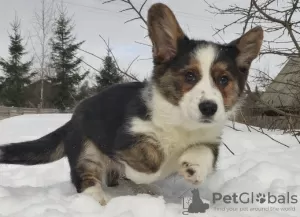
(104, 123)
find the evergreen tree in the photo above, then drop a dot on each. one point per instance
(108, 74)
(85, 91)
(65, 62)
(16, 73)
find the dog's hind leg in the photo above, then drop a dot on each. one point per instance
(89, 172)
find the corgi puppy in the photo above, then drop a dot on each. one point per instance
(146, 131)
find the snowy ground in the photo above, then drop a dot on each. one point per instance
(259, 165)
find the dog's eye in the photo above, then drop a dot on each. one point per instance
(190, 77)
(224, 80)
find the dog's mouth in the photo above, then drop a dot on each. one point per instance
(206, 120)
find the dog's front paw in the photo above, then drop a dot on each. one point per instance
(193, 173)
(196, 164)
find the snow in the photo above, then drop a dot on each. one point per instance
(260, 165)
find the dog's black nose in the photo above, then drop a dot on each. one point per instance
(208, 108)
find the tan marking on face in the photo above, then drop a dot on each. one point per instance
(230, 91)
(219, 67)
(194, 67)
(173, 84)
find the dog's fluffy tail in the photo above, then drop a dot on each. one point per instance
(46, 149)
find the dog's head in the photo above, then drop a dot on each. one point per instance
(205, 80)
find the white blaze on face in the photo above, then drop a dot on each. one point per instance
(204, 89)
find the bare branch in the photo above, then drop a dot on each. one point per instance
(261, 131)
(142, 6)
(272, 19)
(136, 18)
(248, 17)
(148, 45)
(228, 148)
(232, 128)
(130, 64)
(87, 64)
(143, 27)
(100, 58)
(115, 60)
(138, 11)
(109, 1)
(282, 22)
(127, 9)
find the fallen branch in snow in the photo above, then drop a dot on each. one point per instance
(232, 128)
(228, 148)
(241, 113)
(262, 131)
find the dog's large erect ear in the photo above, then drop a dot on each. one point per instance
(249, 46)
(164, 32)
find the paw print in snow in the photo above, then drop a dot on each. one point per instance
(261, 198)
